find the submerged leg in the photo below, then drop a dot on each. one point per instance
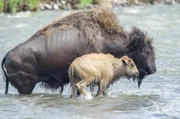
(102, 87)
(82, 85)
(73, 90)
(61, 90)
(25, 87)
(24, 82)
(26, 90)
(105, 91)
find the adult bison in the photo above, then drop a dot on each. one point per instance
(46, 56)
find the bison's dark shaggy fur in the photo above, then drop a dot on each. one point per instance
(46, 56)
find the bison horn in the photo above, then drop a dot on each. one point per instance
(146, 35)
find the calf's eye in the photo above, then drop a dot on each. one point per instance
(132, 65)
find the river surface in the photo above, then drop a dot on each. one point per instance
(158, 97)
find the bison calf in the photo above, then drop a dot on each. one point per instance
(101, 69)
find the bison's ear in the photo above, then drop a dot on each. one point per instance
(124, 62)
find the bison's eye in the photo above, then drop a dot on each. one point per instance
(132, 65)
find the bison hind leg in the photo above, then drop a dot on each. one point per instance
(23, 82)
(25, 87)
(26, 90)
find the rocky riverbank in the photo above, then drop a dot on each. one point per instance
(143, 2)
(12, 6)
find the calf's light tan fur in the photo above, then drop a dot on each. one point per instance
(101, 69)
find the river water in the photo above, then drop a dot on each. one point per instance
(158, 97)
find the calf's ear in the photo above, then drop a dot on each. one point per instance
(124, 62)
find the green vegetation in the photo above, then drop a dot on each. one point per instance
(13, 6)
(1, 6)
(83, 3)
(34, 4)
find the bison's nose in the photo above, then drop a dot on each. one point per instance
(151, 71)
(154, 70)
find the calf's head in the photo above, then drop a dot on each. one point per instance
(129, 68)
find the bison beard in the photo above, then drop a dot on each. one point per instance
(46, 56)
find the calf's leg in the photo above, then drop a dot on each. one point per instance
(82, 84)
(73, 88)
(103, 84)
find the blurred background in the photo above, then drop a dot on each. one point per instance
(159, 95)
(12, 6)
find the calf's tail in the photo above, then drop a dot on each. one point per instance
(72, 84)
(71, 75)
(5, 74)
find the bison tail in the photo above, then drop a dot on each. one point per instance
(5, 74)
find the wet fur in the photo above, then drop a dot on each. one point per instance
(101, 69)
(95, 27)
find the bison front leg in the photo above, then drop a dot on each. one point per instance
(102, 87)
(82, 85)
